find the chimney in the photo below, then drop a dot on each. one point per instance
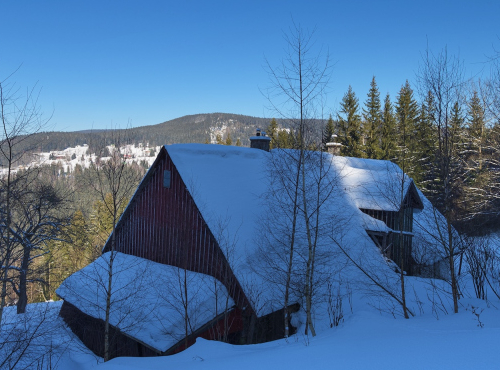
(333, 147)
(260, 141)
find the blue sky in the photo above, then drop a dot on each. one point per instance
(103, 64)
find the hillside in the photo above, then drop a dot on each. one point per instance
(188, 129)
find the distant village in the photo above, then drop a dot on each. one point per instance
(69, 158)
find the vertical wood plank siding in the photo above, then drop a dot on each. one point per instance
(164, 225)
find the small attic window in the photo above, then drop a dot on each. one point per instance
(167, 175)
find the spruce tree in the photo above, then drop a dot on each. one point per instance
(456, 159)
(456, 131)
(388, 144)
(285, 139)
(425, 143)
(218, 139)
(329, 131)
(476, 128)
(350, 126)
(272, 132)
(229, 141)
(238, 142)
(372, 122)
(406, 118)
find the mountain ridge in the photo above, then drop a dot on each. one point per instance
(195, 128)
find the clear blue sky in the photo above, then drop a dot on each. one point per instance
(105, 63)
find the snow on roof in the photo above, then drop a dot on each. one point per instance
(229, 184)
(430, 234)
(376, 185)
(146, 300)
(372, 184)
(373, 224)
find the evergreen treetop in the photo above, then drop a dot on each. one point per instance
(388, 132)
(329, 130)
(372, 122)
(350, 125)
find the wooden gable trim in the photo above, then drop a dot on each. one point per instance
(413, 197)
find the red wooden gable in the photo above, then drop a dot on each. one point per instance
(163, 224)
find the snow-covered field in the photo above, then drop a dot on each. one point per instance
(367, 339)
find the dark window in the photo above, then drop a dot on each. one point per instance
(166, 178)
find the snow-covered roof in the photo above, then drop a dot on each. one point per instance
(372, 184)
(147, 298)
(229, 185)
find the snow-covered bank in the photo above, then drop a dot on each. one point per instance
(367, 340)
(39, 339)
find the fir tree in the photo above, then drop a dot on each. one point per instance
(329, 131)
(372, 122)
(476, 127)
(406, 118)
(229, 141)
(272, 132)
(424, 144)
(238, 142)
(388, 131)
(350, 126)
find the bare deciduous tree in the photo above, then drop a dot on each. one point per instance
(297, 87)
(114, 181)
(443, 76)
(37, 218)
(21, 117)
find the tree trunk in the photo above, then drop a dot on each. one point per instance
(23, 297)
(286, 312)
(451, 260)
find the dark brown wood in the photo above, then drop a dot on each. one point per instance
(91, 332)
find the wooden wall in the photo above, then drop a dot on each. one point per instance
(164, 225)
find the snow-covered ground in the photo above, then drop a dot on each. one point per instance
(39, 339)
(367, 339)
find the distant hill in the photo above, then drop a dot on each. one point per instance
(195, 128)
